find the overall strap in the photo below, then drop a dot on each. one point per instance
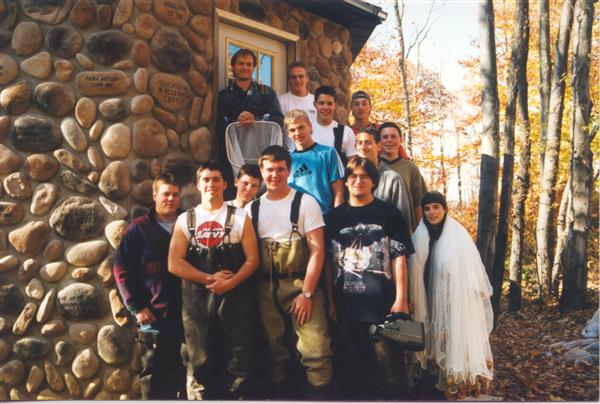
(229, 222)
(254, 208)
(191, 225)
(295, 211)
(338, 137)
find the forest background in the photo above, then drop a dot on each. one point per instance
(530, 230)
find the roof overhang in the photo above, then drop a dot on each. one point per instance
(358, 16)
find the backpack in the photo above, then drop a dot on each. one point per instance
(338, 137)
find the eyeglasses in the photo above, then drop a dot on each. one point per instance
(356, 177)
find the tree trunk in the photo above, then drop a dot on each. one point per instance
(544, 226)
(517, 79)
(575, 269)
(458, 163)
(402, 64)
(544, 88)
(562, 221)
(488, 186)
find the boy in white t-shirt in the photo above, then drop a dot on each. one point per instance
(298, 97)
(326, 130)
(214, 251)
(290, 229)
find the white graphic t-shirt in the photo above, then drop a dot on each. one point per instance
(210, 225)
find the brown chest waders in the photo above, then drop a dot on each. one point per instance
(219, 329)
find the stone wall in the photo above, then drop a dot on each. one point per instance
(97, 98)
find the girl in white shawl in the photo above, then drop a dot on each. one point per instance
(450, 294)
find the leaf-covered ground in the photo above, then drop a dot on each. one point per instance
(523, 370)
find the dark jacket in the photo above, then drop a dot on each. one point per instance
(141, 271)
(260, 100)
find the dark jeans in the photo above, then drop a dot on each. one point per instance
(220, 335)
(367, 370)
(163, 375)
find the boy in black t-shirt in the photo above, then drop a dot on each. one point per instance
(368, 241)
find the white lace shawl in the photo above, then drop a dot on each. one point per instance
(459, 323)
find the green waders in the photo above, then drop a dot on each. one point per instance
(220, 330)
(280, 280)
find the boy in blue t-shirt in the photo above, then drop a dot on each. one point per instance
(316, 169)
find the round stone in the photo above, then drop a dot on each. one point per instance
(171, 92)
(4, 125)
(114, 232)
(142, 193)
(140, 80)
(105, 271)
(8, 69)
(71, 161)
(28, 270)
(141, 104)
(41, 167)
(53, 377)
(29, 239)
(49, 394)
(140, 169)
(85, 112)
(83, 333)
(207, 109)
(102, 83)
(64, 352)
(54, 98)
(43, 198)
(87, 253)
(145, 25)
(64, 70)
(27, 38)
(54, 250)
(77, 183)
(63, 41)
(32, 348)
(35, 289)
(96, 130)
(53, 328)
(80, 301)
(35, 133)
(11, 299)
(172, 12)
(9, 160)
(54, 271)
(83, 274)
(52, 12)
(115, 210)
(77, 218)
(16, 99)
(200, 144)
(198, 83)
(104, 15)
(201, 64)
(95, 158)
(114, 344)
(38, 66)
(114, 181)
(116, 380)
(122, 12)
(5, 350)
(116, 141)
(140, 53)
(173, 138)
(149, 138)
(72, 386)
(201, 25)
(86, 364)
(337, 47)
(17, 186)
(113, 109)
(25, 318)
(5, 325)
(82, 13)
(35, 379)
(92, 388)
(108, 47)
(170, 51)
(84, 61)
(12, 373)
(8, 263)
(46, 307)
(73, 134)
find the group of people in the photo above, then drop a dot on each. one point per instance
(235, 295)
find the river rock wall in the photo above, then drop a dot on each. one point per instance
(96, 99)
